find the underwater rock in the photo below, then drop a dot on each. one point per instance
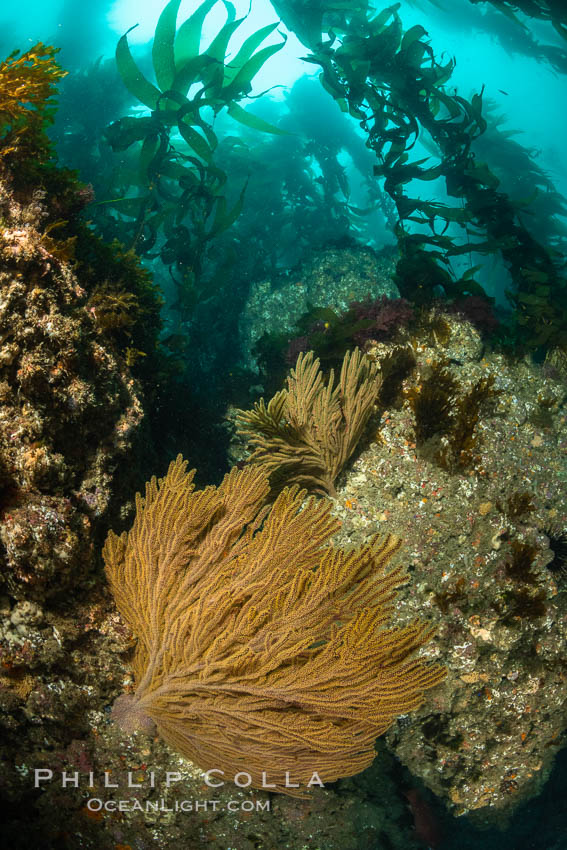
(476, 541)
(70, 415)
(332, 278)
(459, 340)
(70, 411)
(70, 419)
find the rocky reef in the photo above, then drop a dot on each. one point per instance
(463, 458)
(70, 411)
(71, 441)
(70, 416)
(479, 509)
(482, 511)
(330, 278)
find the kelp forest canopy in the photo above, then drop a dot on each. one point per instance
(395, 85)
(216, 183)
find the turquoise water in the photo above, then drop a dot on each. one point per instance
(518, 66)
(294, 174)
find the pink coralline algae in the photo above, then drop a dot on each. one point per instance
(479, 311)
(385, 316)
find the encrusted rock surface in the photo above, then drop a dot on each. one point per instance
(332, 277)
(70, 418)
(70, 411)
(487, 738)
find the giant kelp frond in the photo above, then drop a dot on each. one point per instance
(178, 65)
(179, 190)
(27, 86)
(306, 433)
(545, 10)
(392, 82)
(260, 646)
